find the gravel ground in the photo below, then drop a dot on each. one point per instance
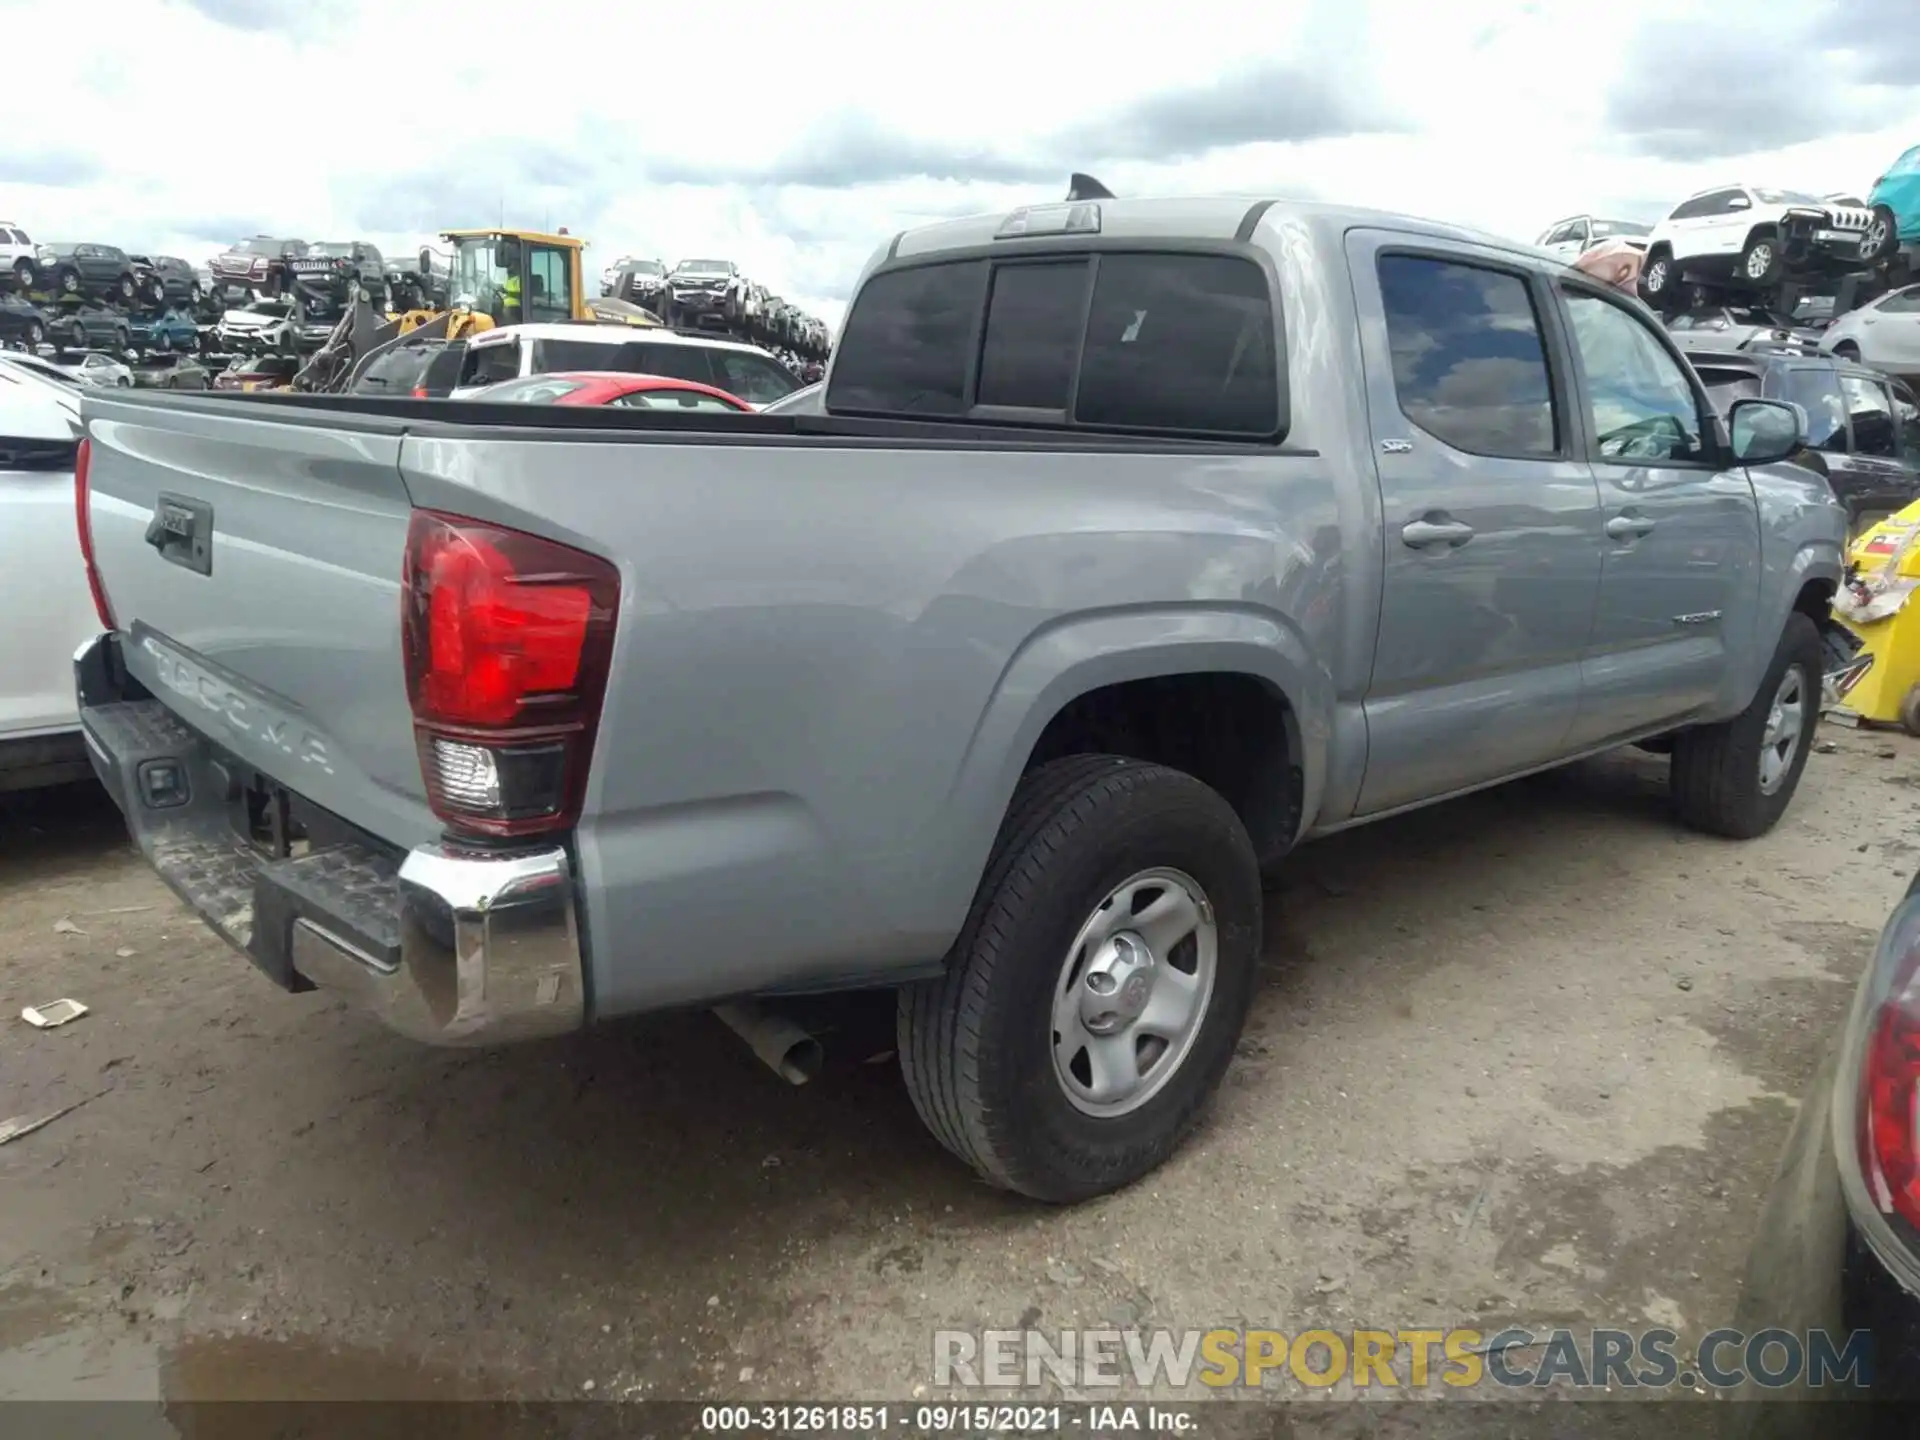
(1528, 1056)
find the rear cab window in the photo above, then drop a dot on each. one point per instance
(1165, 343)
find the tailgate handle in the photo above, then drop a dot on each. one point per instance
(182, 531)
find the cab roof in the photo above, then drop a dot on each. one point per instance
(1218, 217)
(537, 237)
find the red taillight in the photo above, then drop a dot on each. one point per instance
(1889, 1112)
(507, 638)
(83, 520)
(420, 392)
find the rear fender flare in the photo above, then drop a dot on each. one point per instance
(1066, 660)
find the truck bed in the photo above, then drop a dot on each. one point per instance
(436, 416)
(796, 636)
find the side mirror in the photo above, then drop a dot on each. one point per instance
(426, 260)
(1764, 431)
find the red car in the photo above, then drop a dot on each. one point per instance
(613, 387)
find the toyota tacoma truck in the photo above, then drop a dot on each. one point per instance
(1135, 543)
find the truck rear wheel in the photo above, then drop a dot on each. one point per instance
(1096, 993)
(1736, 778)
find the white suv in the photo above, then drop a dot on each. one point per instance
(1749, 235)
(511, 352)
(1573, 237)
(16, 256)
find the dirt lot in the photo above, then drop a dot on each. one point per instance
(1527, 1057)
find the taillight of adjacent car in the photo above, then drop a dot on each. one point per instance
(507, 639)
(1888, 1108)
(83, 521)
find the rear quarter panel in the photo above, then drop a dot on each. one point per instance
(833, 661)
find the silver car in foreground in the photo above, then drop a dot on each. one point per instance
(1137, 542)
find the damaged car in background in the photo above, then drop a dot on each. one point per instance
(1751, 236)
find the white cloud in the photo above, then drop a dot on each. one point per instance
(793, 139)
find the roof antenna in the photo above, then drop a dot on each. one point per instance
(1085, 187)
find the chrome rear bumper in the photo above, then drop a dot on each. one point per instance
(447, 945)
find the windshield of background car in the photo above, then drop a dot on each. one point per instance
(257, 247)
(703, 267)
(646, 267)
(1786, 197)
(1726, 386)
(325, 251)
(63, 247)
(1604, 228)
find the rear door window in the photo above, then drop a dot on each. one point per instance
(907, 340)
(1469, 367)
(1181, 343)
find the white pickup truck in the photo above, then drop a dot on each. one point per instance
(44, 579)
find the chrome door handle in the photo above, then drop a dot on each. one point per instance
(1422, 533)
(1628, 527)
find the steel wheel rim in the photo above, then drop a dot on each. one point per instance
(1133, 992)
(1876, 237)
(1759, 261)
(1786, 722)
(1657, 275)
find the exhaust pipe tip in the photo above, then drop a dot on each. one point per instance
(776, 1041)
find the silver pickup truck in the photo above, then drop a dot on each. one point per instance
(1134, 542)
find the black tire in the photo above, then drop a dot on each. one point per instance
(1761, 263)
(125, 289)
(36, 334)
(1910, 711)
(194, 293)
(976, 1046)
(69, 282)
(23, 276)
(1881, 239)
(1847, 350)
(1716, 781)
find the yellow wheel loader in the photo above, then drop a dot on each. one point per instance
(495, 277)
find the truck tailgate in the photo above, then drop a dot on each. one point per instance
(254, 565)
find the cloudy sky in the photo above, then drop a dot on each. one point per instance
(792, 138)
